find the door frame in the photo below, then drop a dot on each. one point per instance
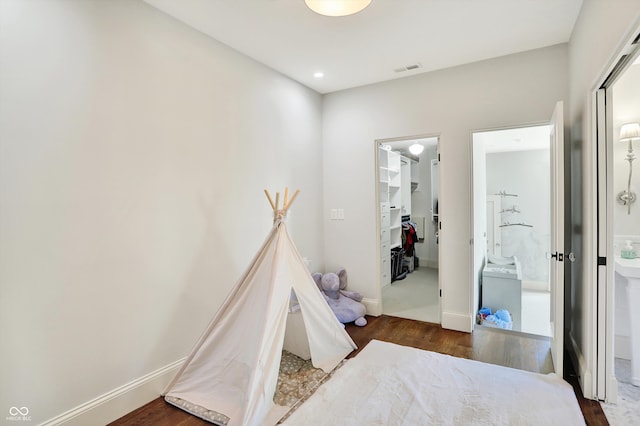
(376, 144)
(475, 267)
(604, 386)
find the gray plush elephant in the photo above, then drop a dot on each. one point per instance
(346, 305)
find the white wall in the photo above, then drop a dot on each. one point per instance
(526, 174)
(133, 154)
(512, 90)
(600, 31)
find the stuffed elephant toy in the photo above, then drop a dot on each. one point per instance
(346, 305)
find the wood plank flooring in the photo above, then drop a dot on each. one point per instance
(493, 346)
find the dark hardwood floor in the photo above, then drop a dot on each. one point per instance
(493, 346)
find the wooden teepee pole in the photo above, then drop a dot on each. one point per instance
(273, 206)
(277, 212)
(295, 194)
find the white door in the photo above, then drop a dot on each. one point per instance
(479, 242)
(556, 275)
(494, 233)
(605, 383)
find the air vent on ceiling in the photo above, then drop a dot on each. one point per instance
(409, 67)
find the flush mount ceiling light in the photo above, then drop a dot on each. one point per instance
(416, 149)
(337, 7)
(318, 74)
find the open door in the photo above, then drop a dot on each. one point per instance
(556, 271)
(494, 236)
(479, 248)
(605, 386)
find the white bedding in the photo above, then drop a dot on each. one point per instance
(388, 384)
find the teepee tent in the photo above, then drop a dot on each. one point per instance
(233, 369)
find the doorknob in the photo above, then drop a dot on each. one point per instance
(571, 256)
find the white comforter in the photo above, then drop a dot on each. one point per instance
(388, 384)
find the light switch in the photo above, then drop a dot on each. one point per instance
(340, 214)
(334, 214)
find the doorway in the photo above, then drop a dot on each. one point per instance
(408, 188)
(505, 271)
(512, 180)
(618, 232)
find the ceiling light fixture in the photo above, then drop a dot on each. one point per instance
(318, 74)
(416, 149)
(337, 7)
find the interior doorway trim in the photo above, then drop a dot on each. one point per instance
(600, 271)
(377, 307)
(475, 268)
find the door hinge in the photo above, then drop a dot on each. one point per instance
(440, 292)
(602, 261)
(438, 156)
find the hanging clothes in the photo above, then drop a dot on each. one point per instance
(409, 237)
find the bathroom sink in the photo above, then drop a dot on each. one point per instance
(628, 268)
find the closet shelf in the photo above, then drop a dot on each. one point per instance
(390, 169)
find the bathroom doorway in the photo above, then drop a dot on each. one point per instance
(503, 273)
(408, 188)
(512, 227)
(618, 335)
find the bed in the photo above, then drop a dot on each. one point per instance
(389, 384)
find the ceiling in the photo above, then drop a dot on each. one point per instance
(516, 139)
(370, 46)
(402, 145)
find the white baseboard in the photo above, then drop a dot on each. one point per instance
(118, 402)
(612, 390)
(459, 322)
(373, 306)
(622, 347)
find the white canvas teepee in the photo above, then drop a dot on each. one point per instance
(233, 368)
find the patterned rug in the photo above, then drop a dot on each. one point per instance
(297, 380)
